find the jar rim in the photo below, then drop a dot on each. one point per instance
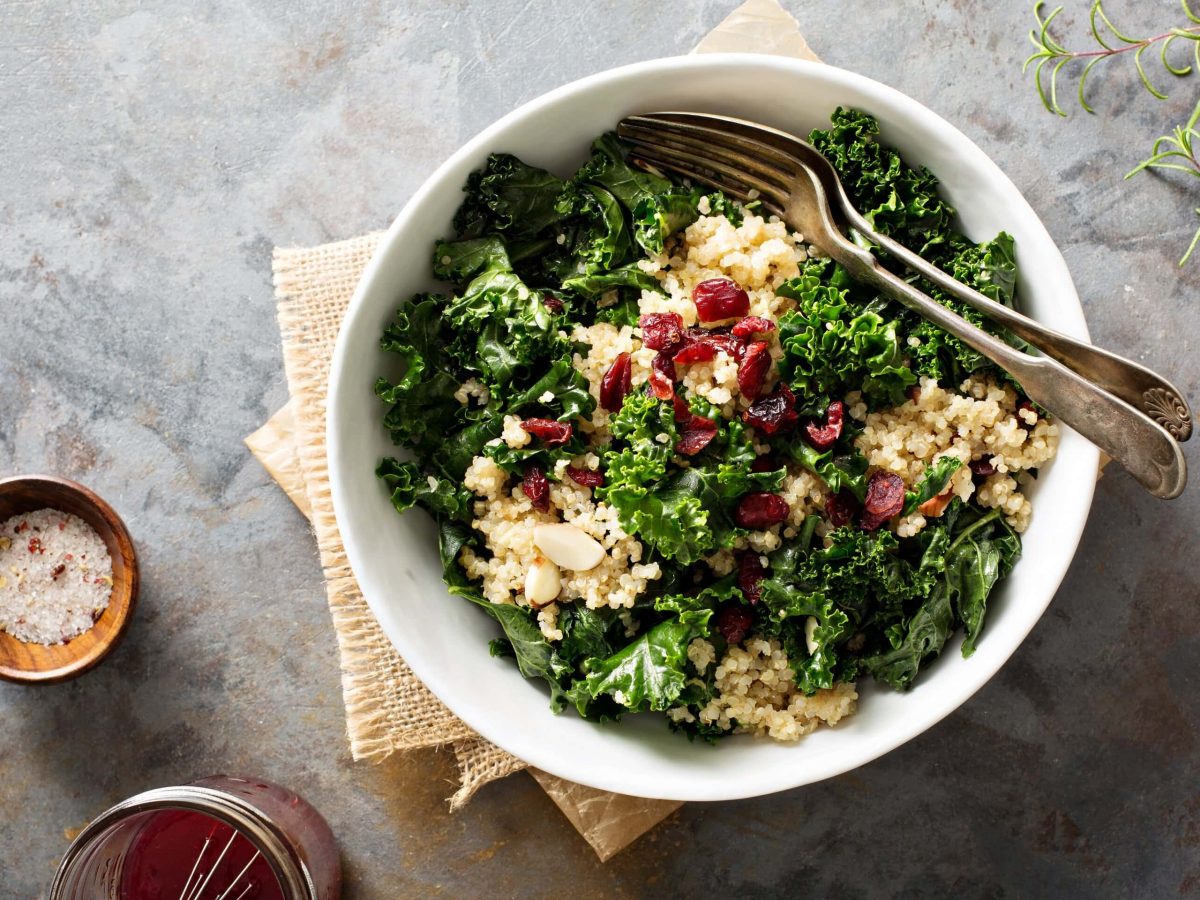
(293, 876)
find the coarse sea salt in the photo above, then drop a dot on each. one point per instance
(55, 576)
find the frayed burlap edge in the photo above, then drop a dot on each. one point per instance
(387, 707)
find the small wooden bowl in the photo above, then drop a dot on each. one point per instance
(42, 664)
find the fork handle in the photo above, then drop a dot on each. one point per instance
(1135, 384)
(1145, 448)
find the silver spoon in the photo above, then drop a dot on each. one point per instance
(749, 169)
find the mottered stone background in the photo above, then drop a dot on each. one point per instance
(151, 155)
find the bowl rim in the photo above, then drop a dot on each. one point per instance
(125, 610)
(529, 749)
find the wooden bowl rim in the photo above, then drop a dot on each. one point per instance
(124, 611)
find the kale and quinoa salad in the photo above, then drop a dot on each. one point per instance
(689, 465)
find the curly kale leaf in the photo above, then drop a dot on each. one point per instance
(682, 513)
(608, 168)
(422, 405)
(898, 201)
(975, 551)
(788, 610)
(832, 345)
(647, 673)
(410, 486)
(510, 198)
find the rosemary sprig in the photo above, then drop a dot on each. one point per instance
(1177, 151)
(1050, 53)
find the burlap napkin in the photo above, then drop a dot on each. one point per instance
(387, 708)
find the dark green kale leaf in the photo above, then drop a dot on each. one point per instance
(510, 198)
(976, 550)
(785, 613)
(460, 261)
(647, 673)
(898, 201)
(626, 276)
(932, 483)
(422, 405)
(608, 168)
(440, 497)
(682, 513)
(832, 345)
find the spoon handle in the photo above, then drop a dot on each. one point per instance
(1145, 448)
(1135, 384)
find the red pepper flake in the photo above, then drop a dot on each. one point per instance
(69, 556)
(58, 570)
(24, 526)
(35, 545)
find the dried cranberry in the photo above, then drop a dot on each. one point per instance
(696, 351)
(553, 304)
(760, 510)
(774, 413)
(616, 383)
(586, 477)
(752, 325)
(885, 498)
(982, 467)
(696, 435)
(720, 298)
(683, 412)
(764, 464)
(719, 338)
(750, 576)
(841, 507)
(555, 434)
(662, 376)
(661, 331)
(823, 436)
(733, 621)
(537, 489)
(752, 371)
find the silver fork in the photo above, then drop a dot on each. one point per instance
(736, 160)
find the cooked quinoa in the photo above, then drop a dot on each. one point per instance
(692, 468)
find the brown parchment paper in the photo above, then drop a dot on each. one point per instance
(387, 707)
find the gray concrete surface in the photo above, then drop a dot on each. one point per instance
(151, 153)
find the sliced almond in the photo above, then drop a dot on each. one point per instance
(810, 629)
(542, 582)
(568, 546)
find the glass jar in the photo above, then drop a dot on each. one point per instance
(204, 830)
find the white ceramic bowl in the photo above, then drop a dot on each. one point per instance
(444, 639)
